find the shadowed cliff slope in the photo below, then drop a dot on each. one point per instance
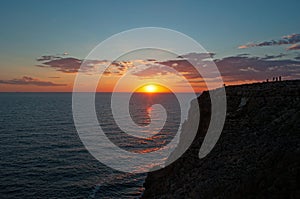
(257, 155)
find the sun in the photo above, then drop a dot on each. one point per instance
(150, 88)
(153, 88)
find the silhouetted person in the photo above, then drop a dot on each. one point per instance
(273, 79)
(267, 80)
(280, 78)
(276, 79)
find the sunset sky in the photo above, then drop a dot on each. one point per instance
(43, 43)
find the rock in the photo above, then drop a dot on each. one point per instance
(257, 155)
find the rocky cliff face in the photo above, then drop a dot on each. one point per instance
(257, 155)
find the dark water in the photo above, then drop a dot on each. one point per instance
(41, 155)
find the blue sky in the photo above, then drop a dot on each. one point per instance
(38, 27)
(30, 29)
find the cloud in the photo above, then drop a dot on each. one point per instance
(197, 56)
(274, 56)
(242, 55)
(25, 80)
(241, 67)
(249, 45)
(47, 58)
(182, 65)
(288, 39)
(65, 65)
(186, 65)
(153, 71)
(54, 77)
(74, 65)
(297, 57)
(249, 69)
(237, 68)
(294, 47)
(177, 66)
(116, 68)
(69, 64)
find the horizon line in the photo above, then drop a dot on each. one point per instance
(93, 92)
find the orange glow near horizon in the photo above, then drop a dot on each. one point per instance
(107, 83)
(150, 88)
(153, 88)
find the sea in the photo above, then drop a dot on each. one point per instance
(42, 155)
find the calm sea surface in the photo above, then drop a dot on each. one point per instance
(42, 156)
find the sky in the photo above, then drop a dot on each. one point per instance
(249, 40)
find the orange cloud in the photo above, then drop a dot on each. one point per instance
(294, 47)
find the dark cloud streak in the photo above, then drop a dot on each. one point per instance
(65, 65)
(234, 68)
(289, 39)
(25, 80)
(255, 68)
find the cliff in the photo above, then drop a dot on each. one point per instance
(257, 155)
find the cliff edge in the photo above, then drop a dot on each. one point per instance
(257, 155)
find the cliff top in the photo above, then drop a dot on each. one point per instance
(257, 155)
